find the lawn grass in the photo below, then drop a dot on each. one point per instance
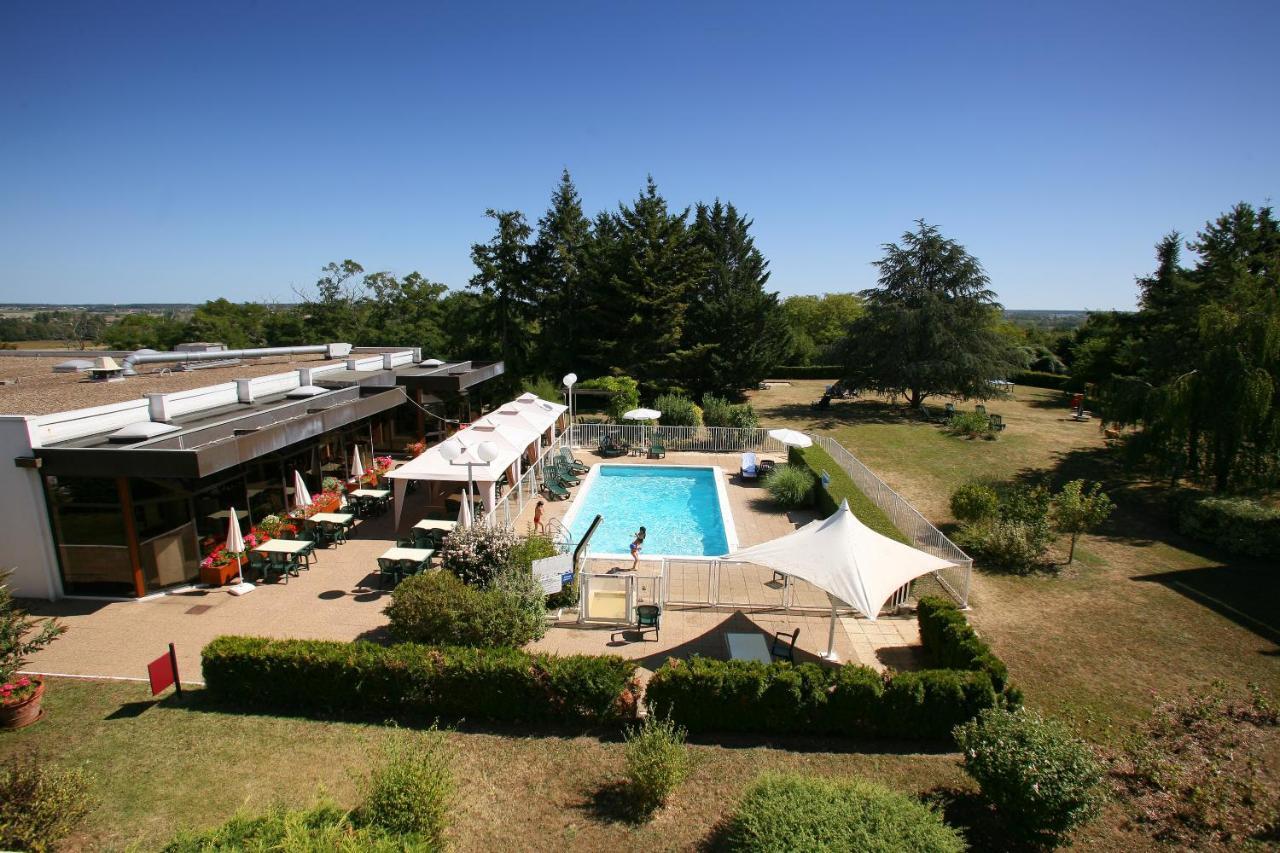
(161, 766)
(1132, 617)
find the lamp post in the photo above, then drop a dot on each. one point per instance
(569, 380)
(487, 451)
(450, 451)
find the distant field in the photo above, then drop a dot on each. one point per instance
(47, 345)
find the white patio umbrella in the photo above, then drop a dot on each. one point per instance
(301, 497)
(848, 560)
(236, 546)
(357, 470)
(464, 511)
(790, 437)
(642, 415)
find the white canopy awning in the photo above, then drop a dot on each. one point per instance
(433, 466)
(845, 558)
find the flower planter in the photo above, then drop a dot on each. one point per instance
(220, 575)
(23, 713)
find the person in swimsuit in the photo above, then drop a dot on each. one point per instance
(636, 545)
(537, 518)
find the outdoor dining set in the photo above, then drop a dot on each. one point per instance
(412, 553)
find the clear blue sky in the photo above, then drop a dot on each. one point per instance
(179, 152)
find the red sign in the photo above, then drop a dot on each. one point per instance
(163, 672)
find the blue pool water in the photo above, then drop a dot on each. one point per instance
(679, 506)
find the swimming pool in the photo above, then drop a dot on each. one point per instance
(684, 508)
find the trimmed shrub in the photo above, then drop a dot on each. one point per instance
(677, 410)
(1043, 781)
(975, 501)
(39, 805)
(715, 410)
(707, 695)
(1041, 379)
(326, 678)
(807, 371)
(951, 643)
(411, 793)
(324, 827)
(657, 761)
(930, 703)
(1236, 525)
(970, 425)
(743, 416)
(806, 813)
(790, 486)
(436, 608)
(840, 488)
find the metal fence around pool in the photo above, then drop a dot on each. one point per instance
(692, 439)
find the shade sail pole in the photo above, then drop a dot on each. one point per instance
(831, 637)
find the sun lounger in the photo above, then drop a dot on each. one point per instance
(750, 468)
(657, 451)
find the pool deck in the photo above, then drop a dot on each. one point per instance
(340, 598)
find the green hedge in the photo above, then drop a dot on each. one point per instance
(707, 695)
(331, 678)
(951, 643)
(1236, 525)
(828, 497)
(807, 371)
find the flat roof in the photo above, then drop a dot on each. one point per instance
(40, 391)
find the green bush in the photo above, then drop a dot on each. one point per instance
(1040, 379)
(677, 410)
(411, 793)
(1236, 525)
(39, 805)
(477, 554)
(320, 829)
(743, 416)
(841, 488)
(1014, 539)
(715, 410)
(790, 486)
(706, 695)
(545, 388)
(436, 608)
(970, 425)
(805, 813)
(951, 643)
(324, 678)
(624, 394)
(807, 371)
(1043, 781)
(975, 501)
(657, 762)
(536, 547)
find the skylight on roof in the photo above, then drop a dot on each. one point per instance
(306, 391)
(141, 431)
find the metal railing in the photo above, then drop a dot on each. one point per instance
(512, 503)
(908, 520)
(679, 438)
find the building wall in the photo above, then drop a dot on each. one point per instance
(26, 540)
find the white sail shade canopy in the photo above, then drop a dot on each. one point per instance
(846, 559)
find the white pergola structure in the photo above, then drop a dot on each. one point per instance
(846, 559)
(518, 430)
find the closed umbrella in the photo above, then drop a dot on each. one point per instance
(235, 540)
(301, 497)
(790, 437)
(464, 511)
(357, 470)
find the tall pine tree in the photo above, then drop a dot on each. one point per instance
(735, 332)
(557, 263)
(502, 274)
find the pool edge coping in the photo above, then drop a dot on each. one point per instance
(722, 496)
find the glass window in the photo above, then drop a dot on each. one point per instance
(89, 533)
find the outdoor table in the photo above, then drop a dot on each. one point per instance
(283, 546)
(436, 524)
(335, 517)
(420, 555)
(748, 647)
(370, 493)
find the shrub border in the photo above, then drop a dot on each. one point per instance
(827, 498)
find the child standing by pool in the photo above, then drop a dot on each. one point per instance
(537, 518)
(636, 545)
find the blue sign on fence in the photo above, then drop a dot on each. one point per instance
(566, 578)
(826, 479)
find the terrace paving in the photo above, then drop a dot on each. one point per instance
(340, 599)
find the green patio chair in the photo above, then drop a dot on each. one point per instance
(574, 465)
(278, 565)
(980, 409)
(388, 568)
(657, 451)
(784, 645)
(949, 410)
(258, 565)
(566, 476)
(649, 617)
(553, 490)
(996, 421)
(425, 539)
(308, 554)
(408, 567)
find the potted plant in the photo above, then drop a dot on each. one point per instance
(20, 636)
(221, 565)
